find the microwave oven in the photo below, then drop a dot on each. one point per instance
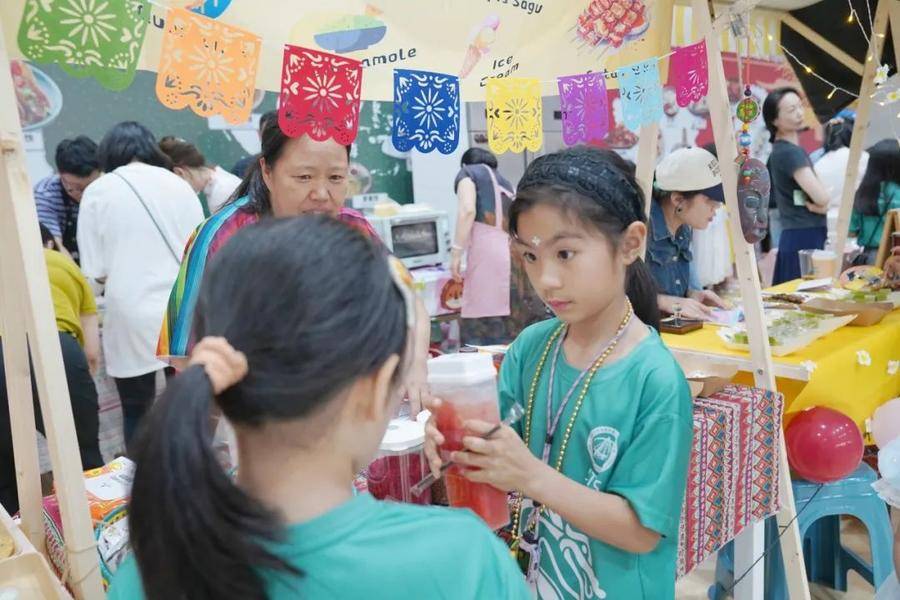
(418, 236)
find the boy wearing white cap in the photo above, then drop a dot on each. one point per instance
(686, 194)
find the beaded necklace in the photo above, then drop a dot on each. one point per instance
(587, 375)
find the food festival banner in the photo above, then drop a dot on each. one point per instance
(475, 39)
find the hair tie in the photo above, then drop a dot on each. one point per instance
(224, 366)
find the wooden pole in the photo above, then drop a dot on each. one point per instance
(895, 31)
(860, 125)
(648, 151)
(25, 266)
(823, 44)
(18, 391)
(750, 545)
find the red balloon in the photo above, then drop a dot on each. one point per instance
(823, 445)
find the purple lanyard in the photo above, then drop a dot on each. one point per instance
(554, 423)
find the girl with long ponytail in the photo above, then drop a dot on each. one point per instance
(307, 368)
(601, 457)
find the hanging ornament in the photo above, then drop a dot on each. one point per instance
(748, 108)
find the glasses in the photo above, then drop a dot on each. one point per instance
(75, 188)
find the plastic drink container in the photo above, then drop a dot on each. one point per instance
(400, 465)
(467, 386)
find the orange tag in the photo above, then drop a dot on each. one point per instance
(208, 66)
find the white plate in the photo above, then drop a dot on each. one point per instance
(796, 343)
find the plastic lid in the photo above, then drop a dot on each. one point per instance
(461, 369)
(402, 435)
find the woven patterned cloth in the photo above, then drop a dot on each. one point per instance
(733, 476)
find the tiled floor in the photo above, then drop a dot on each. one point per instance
(853, 534)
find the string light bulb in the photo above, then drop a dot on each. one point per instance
(833, 92)
(808, 70)
(850, 17)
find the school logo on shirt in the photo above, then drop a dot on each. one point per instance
(603, 447)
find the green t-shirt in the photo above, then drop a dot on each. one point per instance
(370, 549)
(869, 227)
(632, 438)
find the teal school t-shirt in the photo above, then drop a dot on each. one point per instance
(632, 438)
(370, 549)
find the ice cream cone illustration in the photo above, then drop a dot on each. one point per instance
(483, 35)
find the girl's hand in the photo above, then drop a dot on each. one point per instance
(416, 390)
(504, 461)
(433, 437)
(708, 298)
(456, 265)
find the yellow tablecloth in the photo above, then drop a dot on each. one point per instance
(840, 379)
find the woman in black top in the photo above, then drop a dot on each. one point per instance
(801, 198)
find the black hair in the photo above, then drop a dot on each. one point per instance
(659, 196)
(882, 168)
(46, 236)
(77, 156)
(598, 188)
(266, 118)
(770, 108)
(273, 140)
(196, 534)
(838, 133)
(182, 153)
(478, 156)
(129, 141)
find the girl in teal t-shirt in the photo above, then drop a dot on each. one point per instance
(601, 457)
(878, 193)
(304, 329)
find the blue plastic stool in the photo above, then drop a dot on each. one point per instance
(827, 561)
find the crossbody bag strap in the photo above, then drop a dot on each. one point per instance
(152, 218)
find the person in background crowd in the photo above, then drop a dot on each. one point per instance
(686, 195)
(844, 115)
(801, 198)
(293, 176)
(878, 193)
(216, 184)
(57, 197)
(306, 357)
(135, 221)
(79, 340)
(242, 167)
(713, 261)
(497, 301)
(831, 167)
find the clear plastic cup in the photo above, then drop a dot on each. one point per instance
(467, 386)
(400, 465)
(806, 264)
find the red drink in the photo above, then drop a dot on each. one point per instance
(467, 386)
(400, 464)
(391, 477)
